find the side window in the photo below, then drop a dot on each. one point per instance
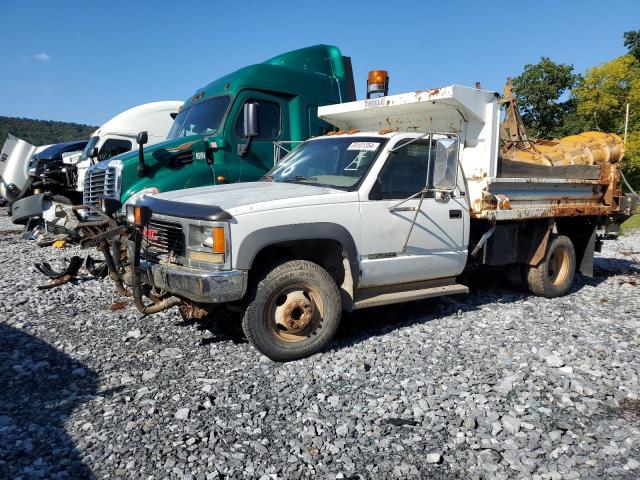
(113, 147)
(405, 172)
(268, 120)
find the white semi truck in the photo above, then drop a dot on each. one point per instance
(411, 191)
(22, 174)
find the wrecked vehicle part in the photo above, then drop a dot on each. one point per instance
(137, 289)
(72, 267)
(102, 237)
(56, 282)
(114, 272)
(97, 268)
(60, 278)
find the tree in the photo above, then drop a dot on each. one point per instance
(602, 98)
(606, 89)
(539, 90)
(632, 42)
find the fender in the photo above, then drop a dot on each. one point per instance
(256, 241)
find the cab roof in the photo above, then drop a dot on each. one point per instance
(306, 71)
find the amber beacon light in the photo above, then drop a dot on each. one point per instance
(378, 82)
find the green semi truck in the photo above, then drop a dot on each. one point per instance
(231, 130)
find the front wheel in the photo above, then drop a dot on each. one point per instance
(554, 276)
(293, 312)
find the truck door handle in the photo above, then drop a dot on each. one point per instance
(455, 213)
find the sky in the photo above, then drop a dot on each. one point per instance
(85, 61)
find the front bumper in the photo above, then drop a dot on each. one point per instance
(201, 286)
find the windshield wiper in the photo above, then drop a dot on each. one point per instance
(300, 178)
(266, 178)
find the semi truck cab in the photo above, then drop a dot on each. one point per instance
(209, 142)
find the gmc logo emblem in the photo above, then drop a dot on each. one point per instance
(151, 234)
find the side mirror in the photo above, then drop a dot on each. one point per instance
(251, 128)
(94, 152)
(445, 165)
(143, 137)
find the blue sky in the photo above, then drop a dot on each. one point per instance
(85, 61)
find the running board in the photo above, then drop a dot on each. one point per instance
(409, 296)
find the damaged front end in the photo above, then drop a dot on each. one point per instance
(163, 266)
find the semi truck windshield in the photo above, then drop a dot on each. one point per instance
(200, 119)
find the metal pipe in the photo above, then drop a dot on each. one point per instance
(626, 124)
(483, 240)
(136, 286)
(113, 271)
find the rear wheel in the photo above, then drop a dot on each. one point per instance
(554, 276)
(293, 311)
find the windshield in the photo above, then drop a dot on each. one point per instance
(200, 119)
(87, 150)
(336, 162)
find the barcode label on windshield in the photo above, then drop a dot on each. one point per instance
(367, 146)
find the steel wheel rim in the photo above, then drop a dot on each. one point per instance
(558, 269)
(295, 312)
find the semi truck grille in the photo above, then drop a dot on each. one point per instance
(162, 237)
(99, 182)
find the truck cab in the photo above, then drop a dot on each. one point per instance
(118, 135)
(208, 143)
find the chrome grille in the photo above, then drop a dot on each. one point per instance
(162, 237)
(99, 182)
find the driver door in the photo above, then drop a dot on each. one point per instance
(436, 245)
(273, 124)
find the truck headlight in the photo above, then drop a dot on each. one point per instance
(208, 244)
(138, 215)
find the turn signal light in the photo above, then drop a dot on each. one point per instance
(218, 239)
(137, 215)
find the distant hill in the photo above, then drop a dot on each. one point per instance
(43, 132)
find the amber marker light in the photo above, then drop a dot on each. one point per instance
(218, 239)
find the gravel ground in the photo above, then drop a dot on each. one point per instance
(494, 385)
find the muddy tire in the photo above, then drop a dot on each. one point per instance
(293, 311)
(554, 276)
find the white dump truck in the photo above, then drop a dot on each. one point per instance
(394, 206)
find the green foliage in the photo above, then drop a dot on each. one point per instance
(539, 89)
(602, 98)
(43, 132)
(632, 42)
(606, 89)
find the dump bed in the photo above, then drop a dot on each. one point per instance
(500, 189)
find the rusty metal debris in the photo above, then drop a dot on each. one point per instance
(97, 268)
(60, 277)
(116, 306)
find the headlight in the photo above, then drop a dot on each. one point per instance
(208, 244)
(130, 217)
(138, 215)
(139, 194)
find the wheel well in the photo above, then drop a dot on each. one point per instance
(581, 232)
(329, 254)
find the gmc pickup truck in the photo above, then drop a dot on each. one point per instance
(411, 191)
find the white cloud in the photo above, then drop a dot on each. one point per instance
(42, 57)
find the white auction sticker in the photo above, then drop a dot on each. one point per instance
(367, 146)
